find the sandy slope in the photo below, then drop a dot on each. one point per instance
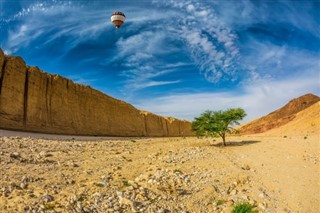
(306, 122)
(278, 174)
(281, 116)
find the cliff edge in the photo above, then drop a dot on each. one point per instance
(32, 100)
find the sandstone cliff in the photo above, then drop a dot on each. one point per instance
(32, 100)
(281, 116)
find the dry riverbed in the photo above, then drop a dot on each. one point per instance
(276, 174)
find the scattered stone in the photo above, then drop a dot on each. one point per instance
(31, 195)
(74, 164)
(261, 195)
(233, 192)
(48, 198)
(15, 155)
(261, 206)
(124, 201)
(101, 184)
(246, 167)
(244, 197)
(44, 154)
(23, 185)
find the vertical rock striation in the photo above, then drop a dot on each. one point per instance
(12, 84)
(32, 100)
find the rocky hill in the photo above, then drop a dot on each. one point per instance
(32, 100)
(281, 116)
(305, 123)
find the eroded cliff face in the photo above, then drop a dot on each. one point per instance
(32, 100)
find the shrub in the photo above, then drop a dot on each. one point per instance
(244, 208)
(220, 202)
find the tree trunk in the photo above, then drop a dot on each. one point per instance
(224, 139)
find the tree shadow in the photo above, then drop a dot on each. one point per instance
(236, 143)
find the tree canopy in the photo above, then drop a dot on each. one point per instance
(217, 123)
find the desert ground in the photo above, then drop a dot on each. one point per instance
(43, 173)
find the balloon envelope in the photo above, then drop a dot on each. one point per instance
(118, 18)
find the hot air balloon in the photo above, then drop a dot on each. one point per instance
(118, 18)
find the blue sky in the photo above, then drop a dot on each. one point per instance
(175, 58)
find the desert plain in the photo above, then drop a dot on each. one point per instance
(46, 173)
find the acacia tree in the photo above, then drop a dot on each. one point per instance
(217, 123)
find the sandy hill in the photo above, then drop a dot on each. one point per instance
(282, 116)
(306, 122)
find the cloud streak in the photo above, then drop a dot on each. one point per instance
(189, 29)
(210, 44)
(55, 20)
(141, 55)
(257, 99)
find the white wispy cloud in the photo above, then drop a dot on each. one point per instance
(271, 61)
(243, 13)
(143, 45)
(211, 45)
(140, 54)
(55, 20)
(149, 83)
(258, 99)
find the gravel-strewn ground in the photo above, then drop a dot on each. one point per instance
(276, 174)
